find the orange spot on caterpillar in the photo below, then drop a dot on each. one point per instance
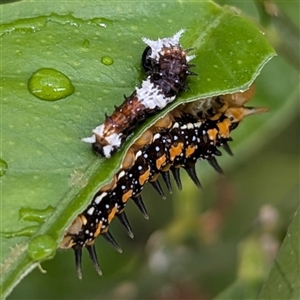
(126, 196)
(175, 151)
(98, 229)
(189, 150)
(224, 128)
(212, 134)
(144, 177)
(160, 161)
(113, 212)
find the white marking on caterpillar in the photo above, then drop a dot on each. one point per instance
(91, 211)
(90, 140)
(156, 136)
(113, 140)
(158, 45)
(138, 154)
(98, 199)
(121, 174)
(152, 96)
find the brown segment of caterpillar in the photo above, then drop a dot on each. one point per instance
(187, 134)
(166, 63)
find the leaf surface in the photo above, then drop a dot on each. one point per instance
(46, 162)
(283, 281)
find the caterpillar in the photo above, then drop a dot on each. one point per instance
(166, 64)
(189, 133)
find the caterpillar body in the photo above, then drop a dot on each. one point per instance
(189, 133)
(166, 63)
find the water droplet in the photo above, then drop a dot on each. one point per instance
(107, 60)
(35, 215)
(26, 231)
(3, 167)
(50, 84)
(41, 247)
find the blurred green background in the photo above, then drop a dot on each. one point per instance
(199, 243)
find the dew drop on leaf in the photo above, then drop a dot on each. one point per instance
(50, 84)
(26, 231)
(107, 60)
(41, 247)
(3, 167)
(35, 215)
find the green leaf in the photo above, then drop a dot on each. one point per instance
(44, 162)
(283, 281)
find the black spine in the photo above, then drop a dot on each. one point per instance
(93, 255)
(124, 221)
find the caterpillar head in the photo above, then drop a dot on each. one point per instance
(236, 111)
(237, 114)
